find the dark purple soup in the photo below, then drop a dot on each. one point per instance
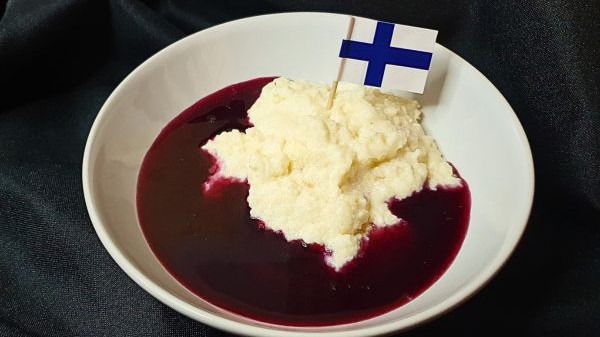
(213, 247)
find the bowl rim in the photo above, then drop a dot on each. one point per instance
(214, 320)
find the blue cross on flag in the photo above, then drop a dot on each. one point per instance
(387, 55)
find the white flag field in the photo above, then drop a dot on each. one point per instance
(386, 55)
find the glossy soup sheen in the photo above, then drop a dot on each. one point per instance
(212, 246)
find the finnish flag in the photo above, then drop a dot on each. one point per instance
(386, 55)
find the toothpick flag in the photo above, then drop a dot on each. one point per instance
(386, 55)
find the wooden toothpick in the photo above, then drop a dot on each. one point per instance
(332, 94)
(334, 85)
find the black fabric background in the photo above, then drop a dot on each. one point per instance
(60, 60)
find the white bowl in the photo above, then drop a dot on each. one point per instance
(471, 121)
